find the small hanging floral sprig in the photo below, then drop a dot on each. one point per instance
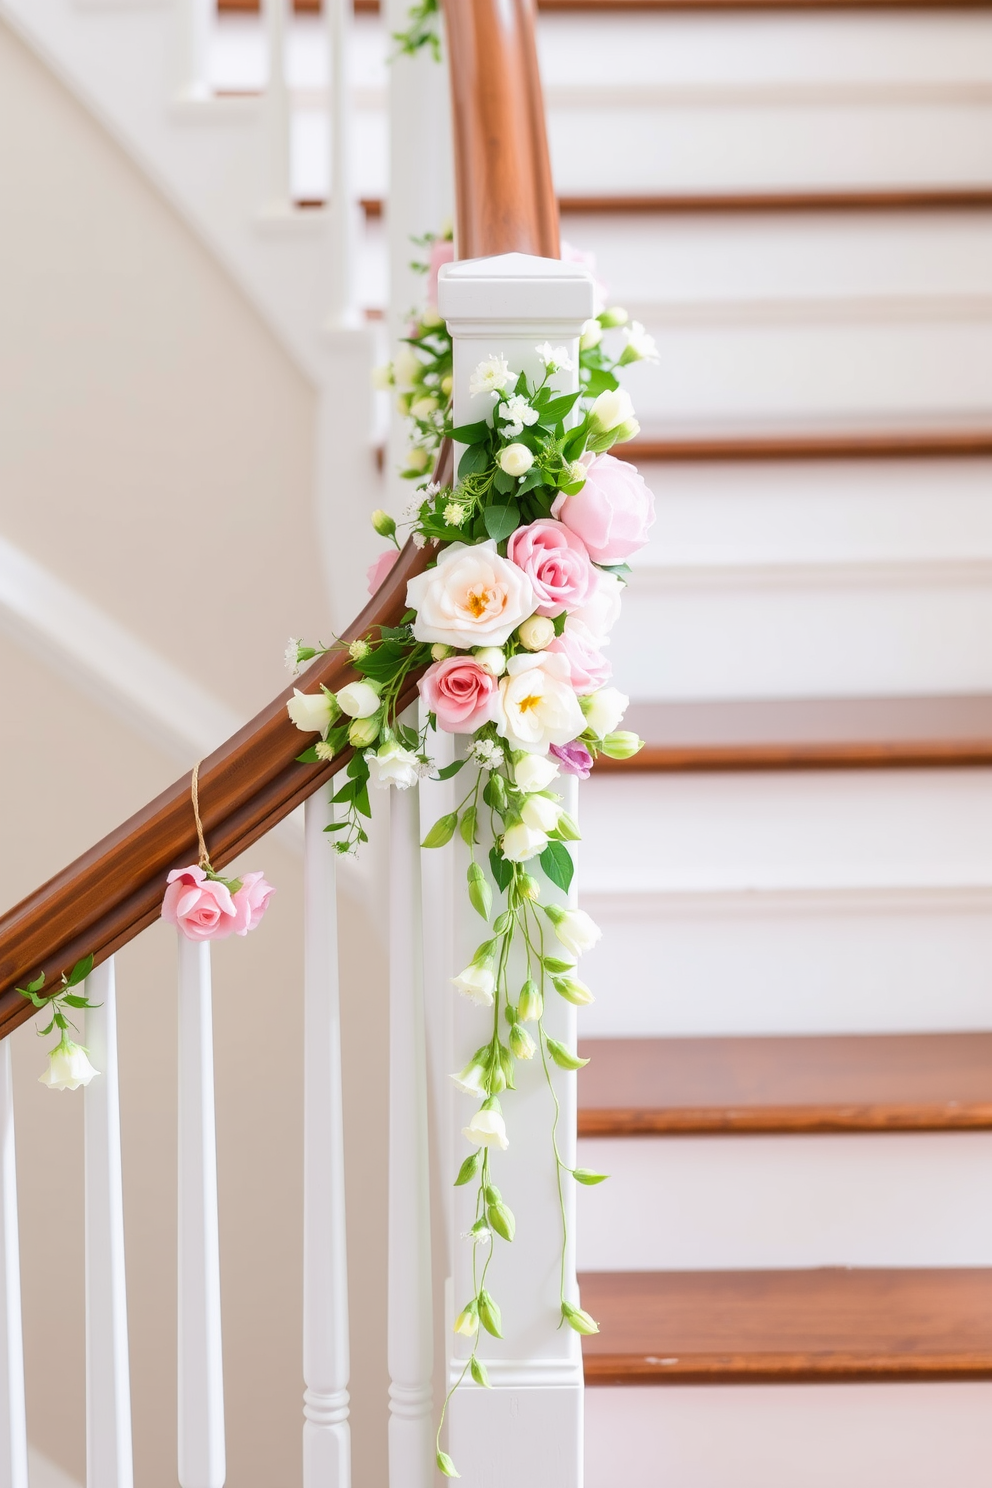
(423, 30)
(205, 906)
(68, 1063)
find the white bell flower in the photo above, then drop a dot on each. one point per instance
(68, 1067)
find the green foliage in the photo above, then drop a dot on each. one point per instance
(442, 831)
(556, 860)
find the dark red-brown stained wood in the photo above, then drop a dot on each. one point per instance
(782, 1327)
(903, 199)
(868, 1082)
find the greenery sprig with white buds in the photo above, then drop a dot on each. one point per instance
(68, 1062)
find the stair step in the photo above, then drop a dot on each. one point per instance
(908, 1082)
(810, 734)
(896, 199)
(827, 1325)
(881, 444)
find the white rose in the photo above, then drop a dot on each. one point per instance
(539, 707)
(491, 376)
(358, 700)
(312, 712)
(521, 842)
(601, 610)
(516, 459)
(604, 710)
(576, 930)
(486, 1129)
(491, 659)
(537, 633)
(609, 410)
(534, 772)
(68, 1067)
(408, 369)
(541, 813)
(473, 597)
(477, 983)
(393, 765)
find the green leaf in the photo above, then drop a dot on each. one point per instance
(34, 986)
(620, 569)
(588, 1177)
(475, 458)
(346, 794)
(80, 972)
(503, 483)
(442, 831)
(336, 827)
(362, 803)
(479, 1372)
(600, 381)
(501, 521)
(558, 408)
(468, 1169)
(556, 965)
(467, 827)
(471, 433)
(444, 1462)
(559, 622)
(556, 860)
(449, 770)
(308, 757)
(78, 1002)
(502, 870)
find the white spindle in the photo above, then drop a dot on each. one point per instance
(342, 206)
(326, 1365)
(201, 1381)
(13, 1429)
(193, 18)
(277, 112)
(410, 1343)
(108, 1387)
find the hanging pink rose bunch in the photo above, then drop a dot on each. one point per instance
(206, 907)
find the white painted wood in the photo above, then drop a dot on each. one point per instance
(201, 1380)
(344, 228)
(326, 1362)
(742, 1202)
(410, 1342)
(192, 24)
(13, 1426)
(768, 1436)
(276, 116)
(108, 1385)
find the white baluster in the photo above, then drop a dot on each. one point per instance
(201, 1380)
(277, 113)
(108, 1386)
(13, 1428)
(343, 227)
(326, 1364)
(410, 1344)
(193, 19)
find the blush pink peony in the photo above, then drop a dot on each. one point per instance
(205, 909)
(557, 564)
(381, 567)
(461, 693)
(589, 668)
(612, 512)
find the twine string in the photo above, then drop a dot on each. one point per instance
(204, 859)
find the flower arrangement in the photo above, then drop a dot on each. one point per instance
(506, 630)
(68, 1063)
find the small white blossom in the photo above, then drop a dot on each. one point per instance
(487, 754)
(515, 413)
(323, 751)
(640, 345)
(454, 514)
(431, 489)
(412, 508)
(478, 1237)
(291, 655)
(419, 540)
(555, 358)
(491, 376)
(358, 650)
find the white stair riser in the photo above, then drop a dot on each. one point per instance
(791, 1436)
(779, 963)
(730, 1202)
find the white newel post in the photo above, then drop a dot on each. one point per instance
(410, 1342)
(276, 112)
(326, 1364)
(202, 1455)
(108, 1384)
(13, 1424)
(526, 1432)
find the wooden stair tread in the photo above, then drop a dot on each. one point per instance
(874, 199)
(856, 444)
(722, 1327)
(811, 733)
(863, 1082)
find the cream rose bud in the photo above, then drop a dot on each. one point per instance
(440, 652)
(521, 842)
(516, 459)
(477, 983)
(592, 334)
(472, 597)
(604, 710)
(358, 699)
(537, 633)
(610, 409)
(393, 765)
(492, 659)
(486, 1129)
(534, 772)
(313, 712)
(541, 813)
(364, 731)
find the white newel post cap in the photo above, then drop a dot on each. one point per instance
(508, 306)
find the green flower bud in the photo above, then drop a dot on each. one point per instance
(364, 731)
(623, 745)
(616, 315)
(383, 523)
(579, 1320)
(531, 1004)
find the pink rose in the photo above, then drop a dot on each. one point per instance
(589, 668)
(251, 901)
(442, 252)
(381, 567)
(612, 512)
(461, 693)
(201, 907)
(557, 564)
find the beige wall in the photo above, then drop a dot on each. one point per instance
(155, 452)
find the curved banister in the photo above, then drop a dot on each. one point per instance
(505, 203)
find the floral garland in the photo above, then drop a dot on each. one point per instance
(506, 629)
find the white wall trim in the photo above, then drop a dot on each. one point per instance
(937, 573)
(638, 905)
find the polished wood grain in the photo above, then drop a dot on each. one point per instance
(901, 199)
(829, 1083)
(855, 444)
(780, 1327)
